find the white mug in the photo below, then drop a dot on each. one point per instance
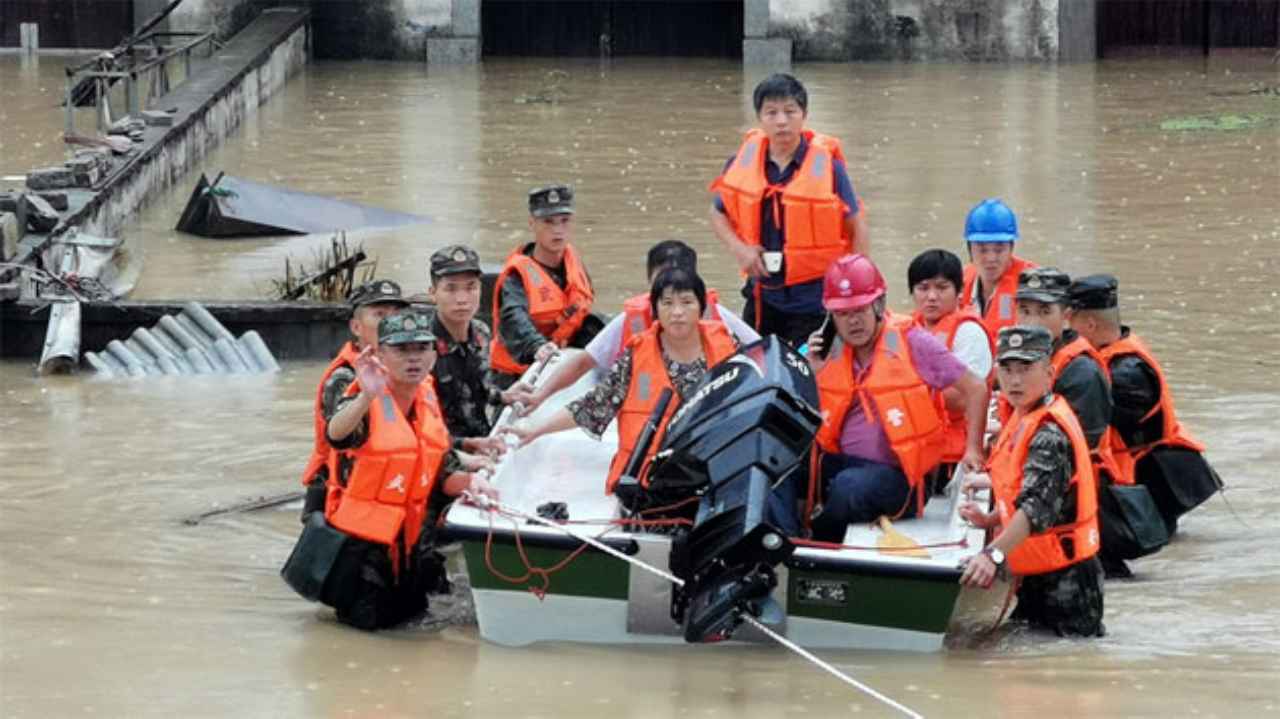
(772, 261)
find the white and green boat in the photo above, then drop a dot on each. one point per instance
(869, 593)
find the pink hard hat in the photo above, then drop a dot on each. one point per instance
(851, 282)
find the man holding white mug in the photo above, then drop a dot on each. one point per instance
(785, 208)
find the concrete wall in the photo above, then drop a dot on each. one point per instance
(974, 30)
(181, 149)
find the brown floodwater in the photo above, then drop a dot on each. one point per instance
(110, 606)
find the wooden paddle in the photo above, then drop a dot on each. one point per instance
(897, 543)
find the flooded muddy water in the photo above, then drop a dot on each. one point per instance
(110, 606)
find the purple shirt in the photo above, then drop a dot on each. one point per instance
(937, 367)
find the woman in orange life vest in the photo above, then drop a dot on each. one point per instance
(392, 473)
(991, 278)
(675, 353)
(785, 208)
(636, 316)
(882, 431)
(934, 278)
(1045, 496)
(543, 296)
(370, 303)
(1144, 425)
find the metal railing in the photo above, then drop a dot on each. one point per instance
(146, 60)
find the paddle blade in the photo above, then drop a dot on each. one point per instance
(891, 541)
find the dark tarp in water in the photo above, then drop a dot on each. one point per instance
(235, 207)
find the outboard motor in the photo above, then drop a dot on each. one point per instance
(746, 428)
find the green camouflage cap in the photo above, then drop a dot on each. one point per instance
(1029, 343)
(453, 260)
(1043, 284)
(403, 328)
(377, 292)
(551, 200)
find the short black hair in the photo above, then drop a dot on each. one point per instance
(935, 263)
(677, 279)
(671, 253)
(780, 86)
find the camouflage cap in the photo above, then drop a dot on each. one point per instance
(405, 327)
(551, 200)
(453, 260)
(1043, 284)
(377, 292)
(1029, 343)
(1095, 292)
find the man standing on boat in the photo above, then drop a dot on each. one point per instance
(370, 303)
(935, 278)
(542, 299)
(785, 209)
(882, 431)
(1045, 496)
(1150, 446)
(636, 317)
(991, 278)
(392, 471)
(461, 371)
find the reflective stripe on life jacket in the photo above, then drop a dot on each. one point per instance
(1047, 551)
(648, 379)
(637, 314)
(1172, 433)
(556, 312)
(1002, 308)
(385, 497)
(814, 233)
(945, 330)
(320, 449)
(893, 393)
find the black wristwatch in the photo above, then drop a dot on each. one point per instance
(995, 555)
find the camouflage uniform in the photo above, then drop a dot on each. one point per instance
(462, 380)
(1068, 601)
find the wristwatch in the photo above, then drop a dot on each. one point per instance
(995, 555)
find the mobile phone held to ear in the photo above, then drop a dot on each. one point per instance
(828, 330)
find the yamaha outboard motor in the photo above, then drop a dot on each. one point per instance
(746, 428)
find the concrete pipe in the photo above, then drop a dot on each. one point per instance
(252, 342)
(199, 361)
(163, 356)
(117, 369)
(226, 352)
(61, 353)
(149, 362)
(98, 364)
(133, 365)
(207, 321)
(179, 333)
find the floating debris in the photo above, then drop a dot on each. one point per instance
(1217, 123)
(235, 207)
(332, 278)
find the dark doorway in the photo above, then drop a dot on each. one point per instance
(68, 23)
(1185, 26)
(581, 28)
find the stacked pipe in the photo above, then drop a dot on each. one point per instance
(189, 343)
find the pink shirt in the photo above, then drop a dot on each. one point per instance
(938, 368)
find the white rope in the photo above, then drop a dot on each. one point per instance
(492, 505)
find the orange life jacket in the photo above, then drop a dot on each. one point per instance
(945, 330)
(385, 496)
(557, 313)
(637, 314)
(648, 379)
(893, 393)
(814, 231)
(1104, 460)
(320, 449)
(1002, 308)
(1044, 552)
(1172, 433)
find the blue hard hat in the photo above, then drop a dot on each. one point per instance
(991, 221)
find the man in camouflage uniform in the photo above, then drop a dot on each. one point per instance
(462, 344)
(1067, 601)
